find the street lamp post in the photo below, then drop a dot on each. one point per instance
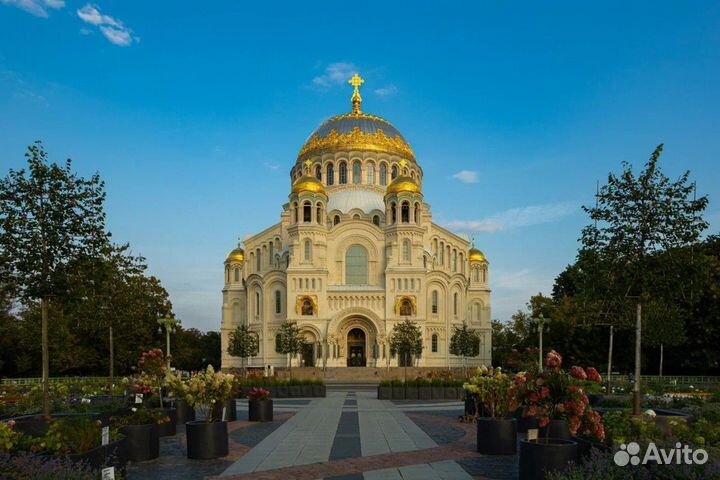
(540, 321)
(170, 323)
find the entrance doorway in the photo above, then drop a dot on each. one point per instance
(356, 348)
(307, 355)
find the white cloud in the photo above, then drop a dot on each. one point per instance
(35, 7)
(86, 31)
(335, 74)
(387, 91)
(466, 176)
(271, 166)
(113, 29)
(516, 217)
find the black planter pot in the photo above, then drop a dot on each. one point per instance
(272, 389)
(537, 459)
(143, 442)
(384, 393)
(398, 392)
(411, 392)
(230, 407)
(318, 390)
(556, 429)
(497, 436)
(282, 391)
(295, 391)
(424, 393)
(307, 390)
(585, 447)
(206, 440)
(184, 412)
(525, 423)
(113, 454)
(451, 393)
(260, 410)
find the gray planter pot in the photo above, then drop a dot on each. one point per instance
(411, 392)
(384, 393)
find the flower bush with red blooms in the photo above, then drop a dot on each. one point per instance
(152, 369)
(259, 394)
(554, 394)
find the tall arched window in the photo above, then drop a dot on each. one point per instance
(278, 302)
(308, 251)
(307, 212)
(455, 303)
(434, 343)
(376, 220)
(383, 174)
(258, 262)
(318, 172)
(357, 172)
(271, 248)
(405, 212)
(336, 220)
(318, 211)
(394, 172)
(237, 274)
(278, 343)
(295, 211)
(343, 173)
(330, 176)
(442, 253)
(417, 213)
(371, 174)
(434, 301)
(406, 250)
(454, 261)
(356, 266)
(393, 213)
(476, 274)
(257, 304)
(447, 255)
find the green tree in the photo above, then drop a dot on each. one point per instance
(49, 218)
(406, 341)
(637, 217)
(244, 344)
(289, 341)
(465, 342)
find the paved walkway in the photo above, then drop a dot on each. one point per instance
(353, 436)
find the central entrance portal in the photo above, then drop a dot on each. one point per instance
(356, 348)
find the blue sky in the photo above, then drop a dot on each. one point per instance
(193, 113)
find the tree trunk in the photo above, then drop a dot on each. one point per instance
(45, 357)
(112, 361)
(662, 352)
(638, 345)
(609, 369)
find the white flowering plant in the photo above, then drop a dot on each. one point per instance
(205, 389)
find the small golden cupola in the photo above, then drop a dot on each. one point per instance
(308, 182)
(403, 183)
(236, 256)
(476, 255)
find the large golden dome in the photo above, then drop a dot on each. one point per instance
(357, 131)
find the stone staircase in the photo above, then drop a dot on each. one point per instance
(363, 375)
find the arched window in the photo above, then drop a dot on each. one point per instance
(383, 174)
(455, 303)
(484, 275)
(318, 172)
(405, 212)
(406, 250)
(308, 251)
(393, 213)
(476, 274)
(434, 301)
(257, 304)
(454, 261)
(434, 343)
(476, 311)
(278, 343)
(278, 302)
(330, 176)
(417, 213)
(394, 172)
(447, 255)
(318, 216)
(258, 259)
(295, 211)
(307, 212)
(271, 247)
(356, 266)
(336, 220)
(357, 172)
(237, 274)
(371, 174)
(376, 220)
(343, 173)
(442, 253)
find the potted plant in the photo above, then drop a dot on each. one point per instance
(207, 438)
(282, 389)
(384, 390)
(411, 390)
(424, 389)
(177, 392)
(306, 388)
(398, 391)
(556, 398)
(140, 429)
(294, 388)
(260, 405)
(318, 388)
(437, 389)
(227, 409)
(496, 432)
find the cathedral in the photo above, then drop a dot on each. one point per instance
(354, 253)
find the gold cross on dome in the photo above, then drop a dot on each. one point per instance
(308, 164)
(356, 81)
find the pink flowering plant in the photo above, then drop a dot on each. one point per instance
(259, 394)
(556, 394)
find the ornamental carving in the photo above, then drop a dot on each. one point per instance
(306, 305)
(356, 139)
(405, 306)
